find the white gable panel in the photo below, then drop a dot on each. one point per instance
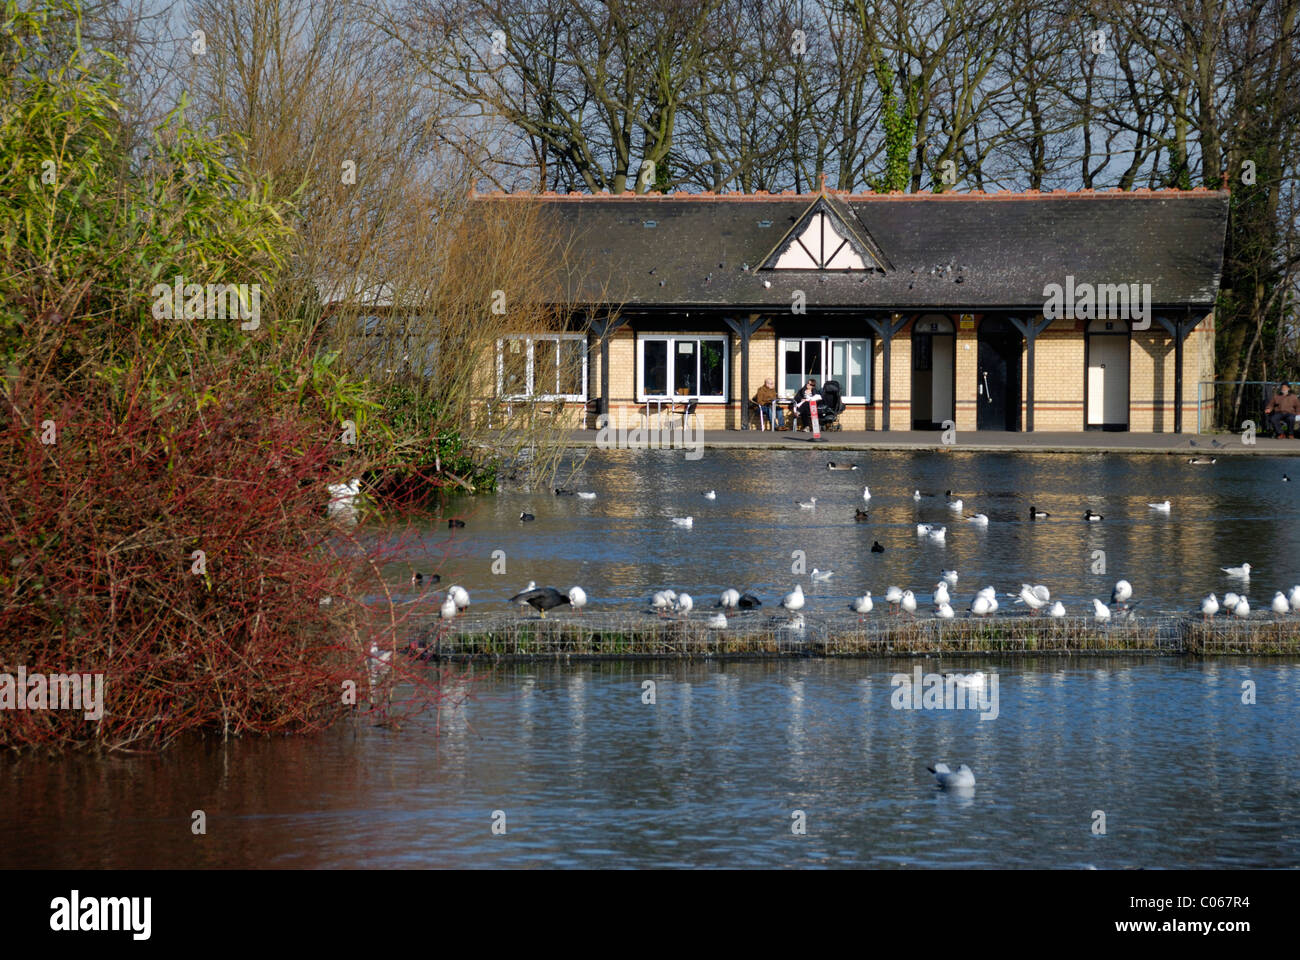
(846, 259)
(796, 258)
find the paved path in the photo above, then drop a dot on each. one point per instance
(1217, 445)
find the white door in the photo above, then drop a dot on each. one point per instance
(1108, 380)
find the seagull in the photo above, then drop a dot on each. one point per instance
(970, 681)
(525, 516)
(876, 547)
(916, 495)
(964, 777)
(730, 599)
(894, 596)
(710, 494)
(586, 495)
(1036, 514)
(979, 519)
(1100, 611)
(449, 608)
(821, 576)
(684, 521)
(955, 506)
(577, 598)
(1056, 610)
(939, 534)
(794, 599)
(859, 515)
(541, 599)
(342, 502)
(1162, 507)
(1230, 600)
(532, 585)
(663, 600)
(908, 602)
(1092, 517)
(684, 603)
(1242, 609)
(810, 504)
(941, 593)
(461, 597)
(379, 662)
(923, 529)
(949, 577)
(718, 621)
(795, 624)
(981, 605)
(1209, 606)
(1034, 597)
(1241, 573)
(1280, 603)
(862, 605)
(944, 611)
(1294, 597)
(1123, 590)
(866, 493)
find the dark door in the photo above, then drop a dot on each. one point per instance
(997, 392)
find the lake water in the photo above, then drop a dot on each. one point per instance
(587, 775)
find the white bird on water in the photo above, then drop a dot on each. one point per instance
(949, 577)
(710, 494)
(1160, 507)
(970, 681)
(794, 600)
(577, 598)
(916, 495)
(923, 529)
(1056, 610)
(1209, 606)
(955, 506)
(979, 519)
(963, 777)
(1280, 603)
(809, 504)
(939, 534)
(1100, 611)
(684, 521)
(821, 576)
(863, 604)
(342, 503)
(866, 493)
(1241, 573)
(586, 495)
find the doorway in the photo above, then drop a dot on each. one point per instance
(998, 388)
(1106, 391)
(934, 372)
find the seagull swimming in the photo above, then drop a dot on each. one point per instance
(964, 777)
(821, 576)
(710, 494)
(866, 493)
(949, 577)
(955, 506)
(939, 534)
(794, 600)
(1162, 507)
(1241, 573)
(809, 504)
(923, 529)
(916, 495)
(979, 519)
(586, 495)
(683, 521)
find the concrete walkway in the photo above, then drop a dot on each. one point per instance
(1185, 444)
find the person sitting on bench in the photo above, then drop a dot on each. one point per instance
(766, 399)
(1282, 411)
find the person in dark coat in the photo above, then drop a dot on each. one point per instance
(800, 406)
(1282, 411)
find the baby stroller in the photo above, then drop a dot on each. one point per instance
(831, 406)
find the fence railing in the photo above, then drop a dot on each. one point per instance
(1216, 404)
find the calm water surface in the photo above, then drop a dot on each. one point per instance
(588, 775)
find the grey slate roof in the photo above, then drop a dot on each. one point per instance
(945, 251)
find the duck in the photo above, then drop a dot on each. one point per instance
(862, 605)
(821, 576)
(525, 516)
(686, 522)
(748, 601)
(730, 599)
(1092, 517)
(876, 547)
(1241, 573)
(454, 524)
(1056, 610)
(1285, 478)
(420, 579)
(1209, 607)
(561, 492)
(1162, 507)
(841, 466)
(809, 504)
(794, 600)
(860, 515)
(1100, 611)
(577, 598)
(963, 778)
(541, 599)
(1280, 603)
(1036, 514)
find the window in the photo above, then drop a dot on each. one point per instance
(550, 367)
(849, 362)
(682, 367)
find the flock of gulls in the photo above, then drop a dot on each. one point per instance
(899, 601)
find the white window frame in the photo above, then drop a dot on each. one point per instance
(826, 371)
(531, 340)
(673, 339)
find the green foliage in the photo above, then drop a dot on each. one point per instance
(898, 122)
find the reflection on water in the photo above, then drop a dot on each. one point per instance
(622, 545)
(708, 775)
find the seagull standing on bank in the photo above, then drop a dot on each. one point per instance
(1242, 608)
(794, 600)
(908, 602)
(577, 598)
(1209, 607)
(729, 600)
(1100, 612)
(1123, 590)
(893, 596)
(1280, 603)
(862, 605)
(1057, 610)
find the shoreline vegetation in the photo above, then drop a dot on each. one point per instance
(627, 636)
